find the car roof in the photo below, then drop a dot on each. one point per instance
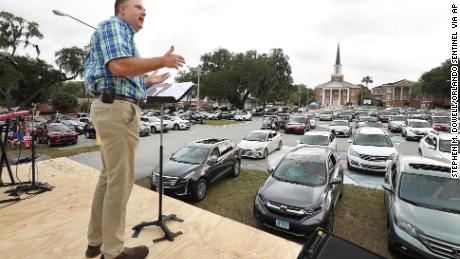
(262, 131)
(317, 133)
(309, 153)
(340, 120)
(445, 136)
(365, 130)
(208, 142)
(425, 166)
(415, 120)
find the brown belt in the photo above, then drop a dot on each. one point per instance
(128, 99)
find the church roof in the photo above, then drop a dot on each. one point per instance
(403, 82)
(335, 84)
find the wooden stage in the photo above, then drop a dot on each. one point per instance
(54, 224)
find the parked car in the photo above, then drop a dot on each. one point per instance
(55, 134)
(89, 130)
(397, 122)
(346, 114)
(258, 111)
(155, 124)
(178, 123)
(267, 122)
(437, 145)
(283, 118)
(298, 124)
(73, 124)
(301, 192)
(340, 128)
(384, 116)
(371, 150)
(84, 120)
(243, 116)
(260, 143)
(312, 119)
(144, 129)
(318, 138)
(422, 203)
(416, 129)
(193, 117)
(440, 123)
(416, 115)
(326, 116)
(363, 119)
(192, 168)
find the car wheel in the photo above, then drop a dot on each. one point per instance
(87, 135)
(407, 138)
(200, 190)
(176, 126)
(330, 222)
(49, 143)
(391, 248)
(280, 144)
(403, 134)
(153, 129)
(236, 169)
(265, 153)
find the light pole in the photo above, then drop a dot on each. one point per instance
(198, 90)
(59, 13)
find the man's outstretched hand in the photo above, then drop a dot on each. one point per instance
(154, 78)
(172, 60)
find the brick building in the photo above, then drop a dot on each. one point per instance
(337, 92)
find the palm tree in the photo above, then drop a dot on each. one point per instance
(366, 80)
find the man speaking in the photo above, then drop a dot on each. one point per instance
(115, 72)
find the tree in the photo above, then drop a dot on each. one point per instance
(16, 31)
(283, 80)
(435, 82)
(365, 93)
(64, 101)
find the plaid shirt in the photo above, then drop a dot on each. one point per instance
(113, 38)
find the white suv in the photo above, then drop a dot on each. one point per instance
(436, 145)
(371, 150)
(416, 129)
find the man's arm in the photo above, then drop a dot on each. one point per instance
(134, 66)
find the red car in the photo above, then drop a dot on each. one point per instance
(56, 133)
(441, 123)
(297, 124)
(384, 116)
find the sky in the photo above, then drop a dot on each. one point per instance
(388, 40)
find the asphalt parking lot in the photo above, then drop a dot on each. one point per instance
(147, 156)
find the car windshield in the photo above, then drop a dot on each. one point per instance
(419, 124)
(439, 193)
(57, 128)
(320, 140)
(327, 113)
(441, 119)
(364, 118)
(191, 155)
(283, 116)
(445, 145)
(339, 123)
(385, 113)
(375, 140)
(299, 119)
(256, 136)
(301, 172)
(373, 124)
(399, 118)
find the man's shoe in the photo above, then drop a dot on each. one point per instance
(138, 252)
(93, 251)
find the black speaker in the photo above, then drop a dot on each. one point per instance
(322, 245)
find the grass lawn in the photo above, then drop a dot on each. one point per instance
(359, 216)
(53, 152)
(220, 122)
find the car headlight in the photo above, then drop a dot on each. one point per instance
(187, 177)
(406, 226)
(353, 153)
(313, 210)
(261, 196)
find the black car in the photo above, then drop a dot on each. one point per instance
(89, 131)
(301, 192)
(193, 117)
(191, 169)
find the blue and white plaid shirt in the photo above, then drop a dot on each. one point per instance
(113, 38)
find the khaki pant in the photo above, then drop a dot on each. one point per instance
(117, 126)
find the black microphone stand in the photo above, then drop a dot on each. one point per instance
(161, 222)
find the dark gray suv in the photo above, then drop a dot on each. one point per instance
(423, 204)
(301, 192)
(191, 169)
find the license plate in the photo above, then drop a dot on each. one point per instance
(282, 224)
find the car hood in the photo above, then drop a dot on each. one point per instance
(373, 151)
(172, 168)
(432, 222)
(294, 195)
(244, 144)
(422, 129)
(339, 128)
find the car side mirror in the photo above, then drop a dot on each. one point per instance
(336, 181)
(270, 170)
(212, 160)
(387, 187)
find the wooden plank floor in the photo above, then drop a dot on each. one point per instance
(54, 224)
